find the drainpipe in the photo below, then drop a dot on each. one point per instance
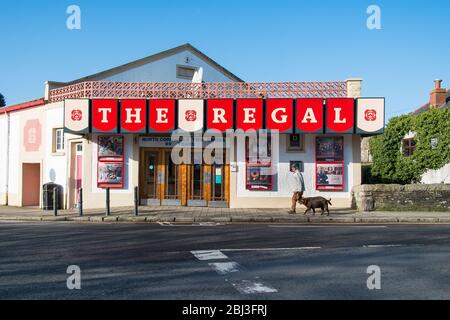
(7, 157)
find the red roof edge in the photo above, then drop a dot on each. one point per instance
(24, 105)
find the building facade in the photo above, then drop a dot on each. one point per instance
(115, 130)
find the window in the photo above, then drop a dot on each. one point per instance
(185, 72)
(295, 142)
(409, 145)
(58, 140)
(259, 170)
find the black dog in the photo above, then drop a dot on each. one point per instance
(316, 202)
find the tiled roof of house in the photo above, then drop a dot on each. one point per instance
(426, 106)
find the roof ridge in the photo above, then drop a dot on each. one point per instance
(155, 57)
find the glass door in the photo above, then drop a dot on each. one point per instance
(196, 185)
(150, 194)
(219, 185)
(171, 181)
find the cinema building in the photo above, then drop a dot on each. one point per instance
(113, 130)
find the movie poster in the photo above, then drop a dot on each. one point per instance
(329, 174)
(110, 173)
(259, 177)
(329, 149)
(110, 146)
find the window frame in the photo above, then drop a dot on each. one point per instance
(179, 76)
(408, 148)
(61, 149)
(301, 148)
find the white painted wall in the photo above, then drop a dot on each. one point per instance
(164, 70)
(14, 154)
(282, 186)
(441, 175)
(3, 156)
(55, 165)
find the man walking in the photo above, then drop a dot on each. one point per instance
(298, 187)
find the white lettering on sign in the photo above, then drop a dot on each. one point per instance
(219, 115)
(337, 118)
(282, 119)
(161, 115)
(105, 112)
(136, 115)
(309, 116)
(249, 115)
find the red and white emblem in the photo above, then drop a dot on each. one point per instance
(370, 115)
(77, 115)
(32, 135)
(191, 115)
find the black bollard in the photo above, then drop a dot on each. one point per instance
(136, 202)
(80, 202)
(55, 201)
(108, 208)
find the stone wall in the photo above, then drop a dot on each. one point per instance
(394, 197)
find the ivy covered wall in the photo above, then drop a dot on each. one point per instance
(389, 163)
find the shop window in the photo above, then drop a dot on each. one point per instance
(330, 163)
(185, 72)
(110, 162)
(58, 140)
(409, 146)
(258, 156)
(295, 142)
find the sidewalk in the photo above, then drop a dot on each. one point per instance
(219, 215)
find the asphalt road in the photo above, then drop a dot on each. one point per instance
(142, 261)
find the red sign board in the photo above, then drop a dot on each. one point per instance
(133, 116)
(279, 114)
(340, 115)
(306, 115)
(309, 115)
(220, 114)
(249, 114)
(162, 115)
(104, 116)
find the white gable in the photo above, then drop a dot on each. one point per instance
(165, 70)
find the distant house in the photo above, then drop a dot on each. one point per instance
(439, 98)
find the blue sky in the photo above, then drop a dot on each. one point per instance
(257, 40)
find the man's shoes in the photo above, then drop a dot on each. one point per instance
(292, 212)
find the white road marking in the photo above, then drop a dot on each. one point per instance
(164, 223)
(225, 267)
(324, 226)
(252, 287)
(383, 245)
(201, 224)
(272, 249)
(209, 255)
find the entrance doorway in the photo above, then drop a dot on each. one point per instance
(159, 178)
(162, 182)
(31, 184)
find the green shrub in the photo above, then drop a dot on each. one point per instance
(389, 163)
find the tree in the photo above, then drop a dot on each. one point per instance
(389, 163)
(2, 101)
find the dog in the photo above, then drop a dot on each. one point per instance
(314, 203)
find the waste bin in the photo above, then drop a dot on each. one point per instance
(48, 195)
